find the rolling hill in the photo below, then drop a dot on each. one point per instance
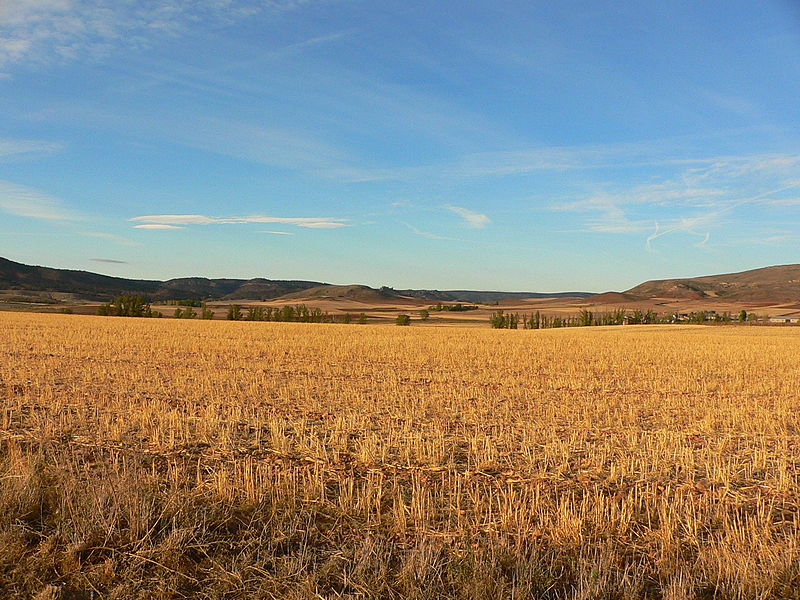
(359, 293)
(83, 285)
(484, 296)
(16, 277)
(769, 284)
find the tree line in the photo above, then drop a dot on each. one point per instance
(139, 306)
(299, 313)
(619, 316)
(439, 307)
(128, 306)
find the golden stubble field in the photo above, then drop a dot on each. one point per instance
(187, 459)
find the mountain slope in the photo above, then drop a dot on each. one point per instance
(483, 296)
(16, 276)
(769, 284)
(359, 293)
(92, 286)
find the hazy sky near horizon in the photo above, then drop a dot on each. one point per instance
(531, 145)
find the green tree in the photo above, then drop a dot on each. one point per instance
(255, 313)
(130, 306)
(126, 306)
(346, 318)
(234, 312)
(186, 313)
(362, 319)
(743, 316)
(287, 314)
(498, 320)
(424, 315)
(402, 320)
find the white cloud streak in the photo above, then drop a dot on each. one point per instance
(11, 148)
(694, 201)
(663, 153)
(157, 226)
(430, 236)
(57, 31)
(22, 201)
(177, 220)
(471, 219)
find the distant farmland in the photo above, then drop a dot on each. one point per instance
(147, 458)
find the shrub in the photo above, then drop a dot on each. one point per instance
(402, 320)
(126, 306)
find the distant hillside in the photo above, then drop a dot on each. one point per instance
(769, 284)
(17, 277)
(481, 296)
(359, 293)
(619, 298)
(92, 286)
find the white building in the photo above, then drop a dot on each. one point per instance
(785, 319)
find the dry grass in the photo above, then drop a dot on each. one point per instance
(181, 459)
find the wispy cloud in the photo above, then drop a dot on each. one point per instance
(696, 199)
(288, 147)
(52, 31)
(109, 260)
(666, 154)
(157, 226)
(276, 232)
(559, 159)
(776, 240)
(178, 220)
(430, 236)
(11, 148)
(471, 219)
(692, 226)
(23, 201)
(784, 202)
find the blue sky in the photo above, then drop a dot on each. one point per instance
(535, 145)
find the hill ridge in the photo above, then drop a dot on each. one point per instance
(773, 283)
(97, 287)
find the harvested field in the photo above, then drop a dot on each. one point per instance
(147, 458)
